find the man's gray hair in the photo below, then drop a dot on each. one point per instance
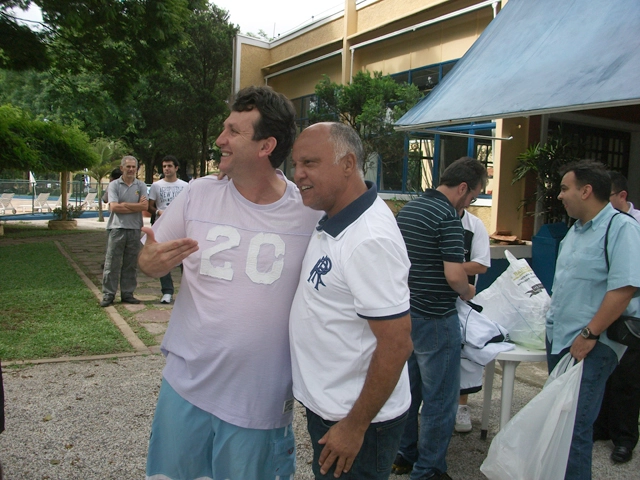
(346, 140)
(128, 157)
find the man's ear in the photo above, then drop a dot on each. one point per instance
(587, 190)
(349, 164)
(268, 146)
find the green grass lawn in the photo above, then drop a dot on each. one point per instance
(46, 310)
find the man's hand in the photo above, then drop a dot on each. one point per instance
(341, 445)
(157, 259)
(581, 347)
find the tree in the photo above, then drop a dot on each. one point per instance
(119, 39)
(38, 146)
(370, 104)
(109, 153)
(184, 106)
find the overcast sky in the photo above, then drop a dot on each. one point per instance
(273, 16)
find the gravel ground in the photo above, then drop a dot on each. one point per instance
(91, 420)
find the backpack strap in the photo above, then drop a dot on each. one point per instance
(606, 235)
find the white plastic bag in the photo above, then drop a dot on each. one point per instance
(518, 301)
(535, 444)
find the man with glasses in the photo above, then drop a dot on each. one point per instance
(434, 238)
(619, 192)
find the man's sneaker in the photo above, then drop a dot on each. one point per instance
(166, 298)
(131, 300)
(106, 301)
(463, 419)
(401, 465)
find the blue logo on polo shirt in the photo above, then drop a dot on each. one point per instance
(322, 267)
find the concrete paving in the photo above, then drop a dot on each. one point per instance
(86, 253)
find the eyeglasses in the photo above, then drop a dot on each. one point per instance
(613, 193)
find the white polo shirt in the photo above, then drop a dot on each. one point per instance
(355, 270)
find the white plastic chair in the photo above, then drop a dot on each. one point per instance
(39, 204)
(89, 201)
(5, 203)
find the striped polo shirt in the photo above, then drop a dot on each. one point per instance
(433, 233)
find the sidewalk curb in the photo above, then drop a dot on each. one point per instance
(116, 318)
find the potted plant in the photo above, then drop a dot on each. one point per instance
(64, 217)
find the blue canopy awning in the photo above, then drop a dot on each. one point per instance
(537, 57)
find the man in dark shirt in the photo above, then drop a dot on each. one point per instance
(434, 238)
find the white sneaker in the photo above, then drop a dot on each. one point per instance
(166, 298)
(463, 419)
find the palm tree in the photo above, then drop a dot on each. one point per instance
(109, 152)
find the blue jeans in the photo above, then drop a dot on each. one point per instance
(376, 455)
(434, 373)
(598, 365)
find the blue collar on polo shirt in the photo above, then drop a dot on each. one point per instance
(349, 214)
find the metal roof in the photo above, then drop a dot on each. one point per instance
(541, 56)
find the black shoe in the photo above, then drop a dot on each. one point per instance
(106, 301)
(401, 465)
(131, 299)
(621, 455)
(437, 476)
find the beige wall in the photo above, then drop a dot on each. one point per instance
(379, 13)
(322, 35)
(434, 44)
(301, 82)
(505, 214)
(252, 56)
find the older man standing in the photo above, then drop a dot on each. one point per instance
(127, 200)
(349, 323)
(588, 297)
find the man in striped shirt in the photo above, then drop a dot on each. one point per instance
(434, 238)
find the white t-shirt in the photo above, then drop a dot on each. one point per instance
(480, 251)
(354, 271)
(163, 192)
(227, 344)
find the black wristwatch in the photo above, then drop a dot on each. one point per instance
(586, 333)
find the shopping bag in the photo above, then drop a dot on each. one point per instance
(535, 443)
(518, 301)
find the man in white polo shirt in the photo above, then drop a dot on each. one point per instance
(349, 323)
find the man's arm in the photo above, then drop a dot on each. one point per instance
(125, 207)
(473, 268)
(344, 439)
(158, 259)
(613, 305)
(457, 279)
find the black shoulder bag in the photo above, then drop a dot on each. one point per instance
(626, 329)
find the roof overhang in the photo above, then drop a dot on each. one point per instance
(540, 57)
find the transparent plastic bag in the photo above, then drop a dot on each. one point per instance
(517, 301)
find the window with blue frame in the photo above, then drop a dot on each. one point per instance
(420, 157)
(426, 155)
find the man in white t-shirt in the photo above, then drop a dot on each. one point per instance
(161, 195)
(225, 408)
(477, 256)
(350, 328)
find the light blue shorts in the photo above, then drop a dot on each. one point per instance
(188, 443)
